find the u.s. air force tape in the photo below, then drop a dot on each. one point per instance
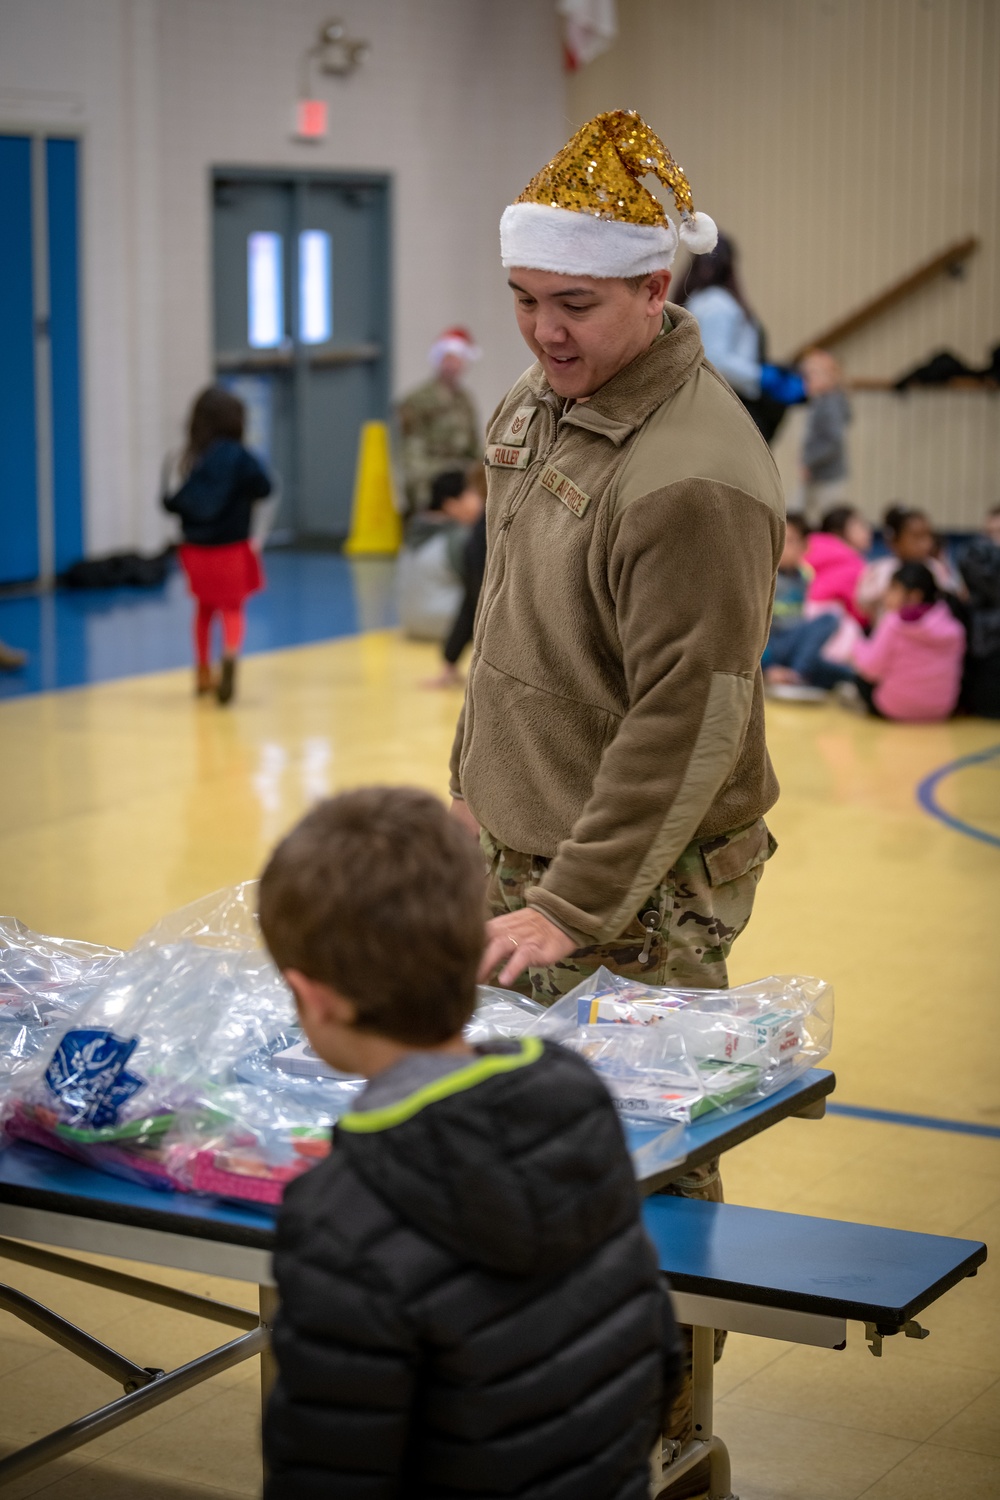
(565, 490)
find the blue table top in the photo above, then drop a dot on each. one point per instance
(36, 1178)
(882, 1276)
(720, 1130)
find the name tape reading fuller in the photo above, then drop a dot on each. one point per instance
(500, 456)
(565, 490)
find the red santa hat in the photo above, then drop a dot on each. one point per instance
(455, 340)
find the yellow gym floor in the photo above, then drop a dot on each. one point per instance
(124, 800)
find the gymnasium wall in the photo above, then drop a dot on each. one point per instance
(459, 99)
(841, 143)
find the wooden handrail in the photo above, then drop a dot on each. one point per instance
(960, 385)
(875, 306)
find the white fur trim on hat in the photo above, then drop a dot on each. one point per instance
(542, 238)
(453, 345)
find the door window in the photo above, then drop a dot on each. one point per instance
(315, 289)
(265, 291)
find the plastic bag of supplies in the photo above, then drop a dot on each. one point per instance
(183, 1066)
(147, 1049)
(271, 1120)
(673, 1053)
(43, 982)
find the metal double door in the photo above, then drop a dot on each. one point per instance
(301, 329)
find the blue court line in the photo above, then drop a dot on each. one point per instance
(928, 800)
(922, 1122)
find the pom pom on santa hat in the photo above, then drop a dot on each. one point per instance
(587, 213)
(699, 234)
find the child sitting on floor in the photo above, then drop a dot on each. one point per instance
(793, 663)
(836, 554)
(469, 1302)
(911, 665)
(980, 567)
(911, 539)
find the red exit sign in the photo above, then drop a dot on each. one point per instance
(311, 119)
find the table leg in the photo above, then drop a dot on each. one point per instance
(268, 1304)
(703, 1444)
(702, 1380)
(702, 1410)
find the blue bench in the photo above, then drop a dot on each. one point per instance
(786, 1276)
(752, 1271)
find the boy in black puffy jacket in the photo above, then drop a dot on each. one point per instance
(469, 1303)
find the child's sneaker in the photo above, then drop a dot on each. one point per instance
(203, 682)
(795, 692)
(848, 696)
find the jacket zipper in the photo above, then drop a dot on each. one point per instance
(518, 498)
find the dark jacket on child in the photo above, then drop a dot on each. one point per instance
(469, 1303)
(215, 502)
(980, 569)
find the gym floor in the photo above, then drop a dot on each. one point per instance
(124, 798)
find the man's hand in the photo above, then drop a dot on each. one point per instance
(519, 939)
(460, 810)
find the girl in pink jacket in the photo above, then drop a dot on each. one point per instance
(910, 667)
(836, 556)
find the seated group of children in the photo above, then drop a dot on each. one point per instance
(904, 636)
(469, 1302)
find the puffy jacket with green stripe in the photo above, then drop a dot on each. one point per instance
(469, 1302)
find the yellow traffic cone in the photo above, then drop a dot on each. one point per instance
(376, 525)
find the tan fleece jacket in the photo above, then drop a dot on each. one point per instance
(614, 709)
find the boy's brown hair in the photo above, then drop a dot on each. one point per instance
(380, 894)
(475, 479)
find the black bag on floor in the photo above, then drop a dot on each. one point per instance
(119, 570)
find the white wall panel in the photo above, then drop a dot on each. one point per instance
(939, 450)
(841, 143)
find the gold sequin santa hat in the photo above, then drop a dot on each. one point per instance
(588, 214)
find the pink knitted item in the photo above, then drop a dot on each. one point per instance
(206, 1177)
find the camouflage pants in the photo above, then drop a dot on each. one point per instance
(692, 918)
(701, 907)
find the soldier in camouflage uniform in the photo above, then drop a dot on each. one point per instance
(437, 422)
(611, 749)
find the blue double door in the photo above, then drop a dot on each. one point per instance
(41, 480)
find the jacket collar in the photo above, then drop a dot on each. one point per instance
(624, 403)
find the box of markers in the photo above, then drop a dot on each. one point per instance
(725, 1036)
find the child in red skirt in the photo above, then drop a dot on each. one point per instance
(215, 503)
